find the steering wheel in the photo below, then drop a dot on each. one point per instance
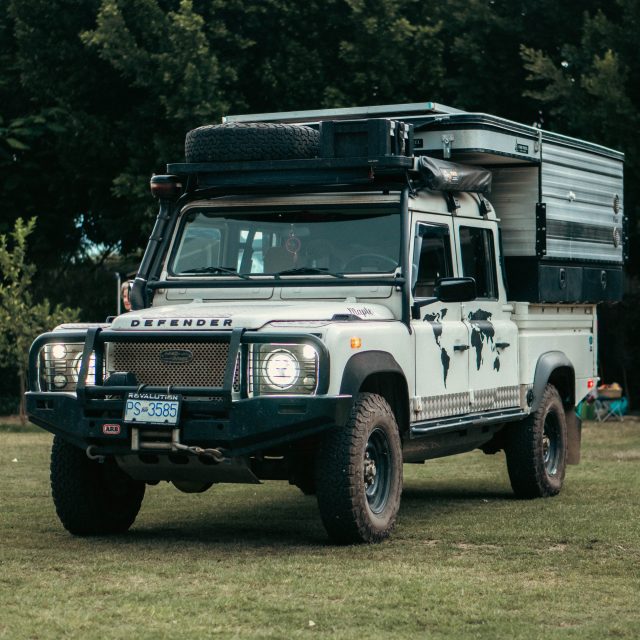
(381, 260)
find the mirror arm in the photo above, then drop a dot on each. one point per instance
(418, 304)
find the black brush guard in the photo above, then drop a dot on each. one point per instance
(239, 425)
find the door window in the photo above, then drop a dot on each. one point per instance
(478, 260)
(432, 259)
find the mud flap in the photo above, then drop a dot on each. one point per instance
(574, 436)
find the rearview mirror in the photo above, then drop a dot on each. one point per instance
(456, 289)
(447, 290)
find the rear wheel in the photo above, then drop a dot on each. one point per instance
(92, 498)
(359, 474)
(537, 449)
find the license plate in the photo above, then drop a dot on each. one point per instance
(151, 408)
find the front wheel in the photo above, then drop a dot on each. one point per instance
(537, 449)
(359, 474)
(92, 498)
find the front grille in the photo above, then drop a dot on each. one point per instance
(167, 363)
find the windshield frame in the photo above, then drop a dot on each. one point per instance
(174, 279)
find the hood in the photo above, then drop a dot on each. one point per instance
(227, 316)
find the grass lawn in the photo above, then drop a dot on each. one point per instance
(467, 560)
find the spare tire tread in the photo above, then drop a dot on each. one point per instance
(240, 141)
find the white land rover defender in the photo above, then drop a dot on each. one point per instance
(329, 294)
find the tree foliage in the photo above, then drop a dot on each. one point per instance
(21, 318)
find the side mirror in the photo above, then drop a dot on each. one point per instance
(137, 294)
(456, 289)
(448, 290)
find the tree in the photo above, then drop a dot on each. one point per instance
(22, 319)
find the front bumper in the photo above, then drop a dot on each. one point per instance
(228, 419)
(245, 427)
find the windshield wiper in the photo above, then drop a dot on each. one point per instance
(306, 271)
(222, 270)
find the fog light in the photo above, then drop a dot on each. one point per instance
(59, 380)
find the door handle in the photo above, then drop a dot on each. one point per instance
(460, 347)
(502, 345)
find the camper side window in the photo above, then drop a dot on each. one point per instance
(478, 260)
(432, 259)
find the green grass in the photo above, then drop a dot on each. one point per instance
(467, 560)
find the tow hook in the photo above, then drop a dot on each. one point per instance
(214, 454)
(93, 456)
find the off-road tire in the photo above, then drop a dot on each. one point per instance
(536, 449)
(353, 511)
(92, 498)
(239, 141)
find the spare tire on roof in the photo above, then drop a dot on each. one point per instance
(239, 141)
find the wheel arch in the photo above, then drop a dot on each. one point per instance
(378, 372)
(554, 367)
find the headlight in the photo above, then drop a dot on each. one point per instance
(59, 366)
(91, 370)
(283, 369)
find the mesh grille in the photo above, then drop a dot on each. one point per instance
(199, 364)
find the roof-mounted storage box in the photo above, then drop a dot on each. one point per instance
(559, 200)
(371, 138)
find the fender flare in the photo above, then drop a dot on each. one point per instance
(547, 363)
(361, 365)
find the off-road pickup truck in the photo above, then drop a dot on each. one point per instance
(328, 295)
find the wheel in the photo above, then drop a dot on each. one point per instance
(384, 262)
(359, 474)
(239, 141)
(537, 449)
(92, 498)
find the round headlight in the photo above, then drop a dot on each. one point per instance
(281, 369)
(91, 373)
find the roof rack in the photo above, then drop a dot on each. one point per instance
(377, 111)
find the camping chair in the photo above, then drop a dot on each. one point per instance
(609, 405)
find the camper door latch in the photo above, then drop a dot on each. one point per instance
(447, 143)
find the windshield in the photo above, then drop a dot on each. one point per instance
(334, 241)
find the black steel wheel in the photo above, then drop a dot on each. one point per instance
(91, 497)
(246, 141)
(359, 474)
(537, 449)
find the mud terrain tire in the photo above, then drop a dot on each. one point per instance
(359, 474)
(92, 498)
(537, 449)
(239, 141)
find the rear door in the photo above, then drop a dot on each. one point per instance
(493, 353)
